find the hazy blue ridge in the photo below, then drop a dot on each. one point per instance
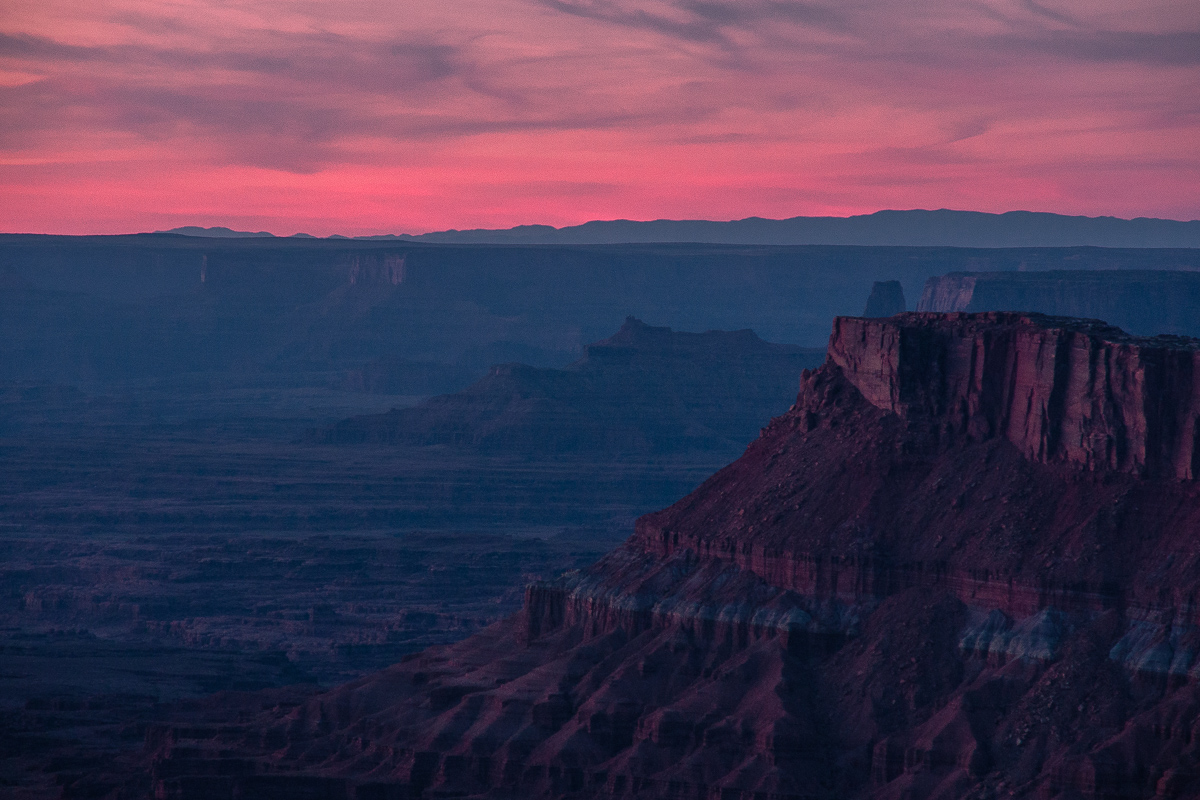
(941, 228)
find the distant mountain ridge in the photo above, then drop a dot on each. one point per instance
(918, 228)
(219, 232)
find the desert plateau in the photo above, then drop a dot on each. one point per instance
(873, 569)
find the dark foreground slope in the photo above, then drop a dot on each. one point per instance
(645, 391)
(965, 564)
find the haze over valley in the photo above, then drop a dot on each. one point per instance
(250, 464)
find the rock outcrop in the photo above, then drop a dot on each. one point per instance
(1058, 389)
(964, 564)
(887, 299)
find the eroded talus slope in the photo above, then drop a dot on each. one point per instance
(931, 578)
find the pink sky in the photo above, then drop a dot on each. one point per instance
(374, 117)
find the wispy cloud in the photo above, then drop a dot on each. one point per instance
(1154, 49)
(296, 100)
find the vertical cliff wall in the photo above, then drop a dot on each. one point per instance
(1060, 390)
(887, 298)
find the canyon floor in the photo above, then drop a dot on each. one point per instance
(167, 541)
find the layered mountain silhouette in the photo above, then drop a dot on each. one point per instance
(964, 564)
(218, 232)
(645, 390)
(940, 228)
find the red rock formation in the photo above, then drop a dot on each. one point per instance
(965, 564)
(1081, 392)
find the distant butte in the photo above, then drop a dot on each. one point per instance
(887, 299)
(1141, 301)
(646, 390)
(964, 564)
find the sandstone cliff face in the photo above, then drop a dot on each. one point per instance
(934, 577)
(1059, 389)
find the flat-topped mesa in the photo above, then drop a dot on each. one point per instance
(1022, 461)
(1060, 389)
